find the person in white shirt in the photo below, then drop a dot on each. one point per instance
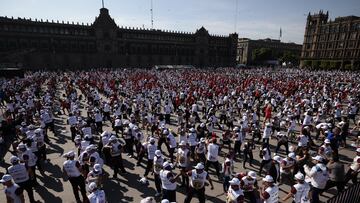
(72, 170)
(197, 183)
(116, 150)
(318, 175)
(212, 156)
(96, 195)
(151, 148)
(299, 191)
(235, 194)
(171, 142)
(270, 192)
(13, 192)
(168, 182)
(354, 168)
(183, 160)
(158, 163)
(265, 155)
(227, 170)
(267, 133)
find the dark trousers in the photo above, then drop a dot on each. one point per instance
(351, 175)
(171, 154)
(117, 163)
(200, 193)
(76, 183)
(73, 133)
(184, 177)
(99, 127)
(339, 185)
(226, 183)
(129, 146)
(162, 140)
(167, 118)
(248, 156)
(315, 195)
(251, 196)
(280, 143)
(262, 164)
(215, 164)
(237, 147)
(149, 166)
(157, 182)
(27, 186)
(266, 141)
(169, 195)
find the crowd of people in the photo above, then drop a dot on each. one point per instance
(189, 127)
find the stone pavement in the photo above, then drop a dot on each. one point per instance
(53, 188)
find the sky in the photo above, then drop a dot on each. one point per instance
(255, 19)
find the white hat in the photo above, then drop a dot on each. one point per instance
(292, 155)
(165, 201)
(252, 174)
(158, 153)
(199, 166)
(166, 164)
(268, 178)
(14, 159)
(202, 140)
(152, 140)
(267, 124)
(192, 129)
(97, 167)
(23, 124)
(112, 138)
(38, 130)
(105, 133)
(182, 143)
(88, 149)
(318, 158)
(77, 137)
(299, 176)
(92, 186)
(70, 154)
(234, 181)
(148, 200)
(165, 131)
(21, 146)
(87, 136)
(327, 141)
(6, 178)
(277, 158)
(236, 129)
(358, 150)
(202, 125)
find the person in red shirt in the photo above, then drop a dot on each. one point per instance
(268, 111)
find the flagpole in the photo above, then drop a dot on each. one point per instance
(103, 3)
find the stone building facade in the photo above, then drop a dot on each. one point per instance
(333, 43)
(246, 47)
(44, 44)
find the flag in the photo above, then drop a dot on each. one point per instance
(280, 33)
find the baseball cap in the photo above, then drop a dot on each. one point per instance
(327, 141)
(97, 167)
(182, 143)
(268, 178)
(92, 186)
(158, 153)
(318, 158)
(358, 150)
(299, 176)
(6, 178)
(234, 181)
(252, 174)
(199, 166)
(112, 138)
(292, 155)
(14, 159)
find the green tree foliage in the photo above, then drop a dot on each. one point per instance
(262, 54)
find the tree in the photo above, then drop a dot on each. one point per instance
(315, 64)
(324, 64)
(262, 54)
(291, 57)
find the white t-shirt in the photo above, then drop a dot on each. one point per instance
(212, 152)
